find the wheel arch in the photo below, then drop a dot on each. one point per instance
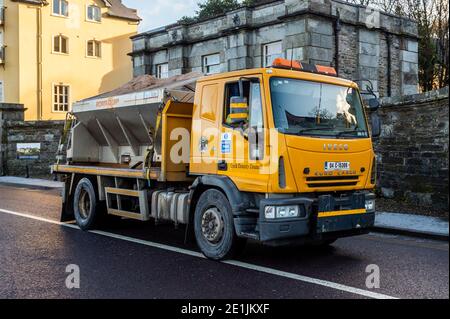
(70, 184)
(238, 200)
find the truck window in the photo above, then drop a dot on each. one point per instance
(256, 123)
(256, 115)
(317, 109)
(255, 128)
(209, 102)
(232, 89)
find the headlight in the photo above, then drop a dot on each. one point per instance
(287, 211)
(272, 212)
(370, 205)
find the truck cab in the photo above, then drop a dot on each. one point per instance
(279, 155)
(303, 154)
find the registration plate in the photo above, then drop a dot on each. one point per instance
(337, 166)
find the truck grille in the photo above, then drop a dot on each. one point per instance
(332, 181)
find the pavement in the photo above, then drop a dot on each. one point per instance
(34, 182)
(396, 223)
(414, 225)
(131, 259)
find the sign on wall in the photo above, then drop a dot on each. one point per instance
(28, 151)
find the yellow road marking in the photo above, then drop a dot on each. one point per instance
(342, 213)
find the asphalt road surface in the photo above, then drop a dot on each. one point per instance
(129, 259)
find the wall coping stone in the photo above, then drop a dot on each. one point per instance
(11, 107)
(21, 124)
(416, 98)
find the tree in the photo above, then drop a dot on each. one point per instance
(432, 21)
(442, 33)
(211, 8)
(432, 17)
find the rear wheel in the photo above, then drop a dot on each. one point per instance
(85, 204)
(214, 226)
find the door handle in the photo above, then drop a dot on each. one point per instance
(222, 166)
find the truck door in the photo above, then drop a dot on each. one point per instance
(205, 132)
(242, 146)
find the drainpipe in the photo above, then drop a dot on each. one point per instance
(389, 64)
(39, 60)
(337, 29)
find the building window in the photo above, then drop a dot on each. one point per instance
(162, 71)
(271, 51)
(94, 13)
(61, 8)
(94, 49)
(60, 44)
(61, 96)
(211, 64)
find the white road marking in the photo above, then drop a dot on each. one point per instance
(271, 271)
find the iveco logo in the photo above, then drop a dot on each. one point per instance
(335, 147)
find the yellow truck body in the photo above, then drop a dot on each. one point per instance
(299, 168)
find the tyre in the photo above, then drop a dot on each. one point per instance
(214, 226)
(85, 204)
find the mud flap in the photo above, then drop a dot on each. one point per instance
(67, 214)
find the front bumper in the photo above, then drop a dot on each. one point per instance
(322, 217)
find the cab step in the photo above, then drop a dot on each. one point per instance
(143, 214)
(250, 235)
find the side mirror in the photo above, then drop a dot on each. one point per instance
(375, 123)
(349, 99)
(373, 104)
(238, 111)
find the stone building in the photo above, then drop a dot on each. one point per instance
(362, 43)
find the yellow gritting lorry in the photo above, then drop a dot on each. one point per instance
(278, 155)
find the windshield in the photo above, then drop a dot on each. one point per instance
(317, 109)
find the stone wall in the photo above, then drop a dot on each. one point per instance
(8, 112)
(412, 151)
(14, 130)
(360, 42)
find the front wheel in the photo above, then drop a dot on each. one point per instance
(214, 226)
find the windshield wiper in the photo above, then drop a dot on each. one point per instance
(355, 130)
(327, 128)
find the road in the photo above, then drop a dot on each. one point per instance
(130, 259)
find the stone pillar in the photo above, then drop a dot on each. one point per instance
(8, 112)
(237, 52)
(238, 55)
(176, 53)
(321, 41)
(409, 58)
(369, 55)
(177, 61)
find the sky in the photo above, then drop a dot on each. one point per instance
(157, 13)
